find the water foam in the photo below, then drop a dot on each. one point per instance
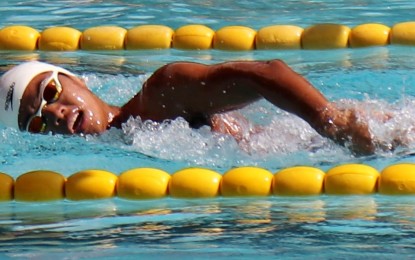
(399, 127)
(285, 136)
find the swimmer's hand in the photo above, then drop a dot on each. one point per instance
(234, 124)
(345, 128)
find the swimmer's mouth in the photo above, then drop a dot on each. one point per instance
(78, 123)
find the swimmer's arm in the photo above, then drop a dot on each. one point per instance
(190, 90)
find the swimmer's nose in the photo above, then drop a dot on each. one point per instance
(55, 114)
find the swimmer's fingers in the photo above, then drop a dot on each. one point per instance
(380, 116)
(226, 125)
(234, 124)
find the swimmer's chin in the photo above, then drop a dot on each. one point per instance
(94, 132)
(79, 132)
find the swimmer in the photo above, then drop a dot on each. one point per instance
(43, 98)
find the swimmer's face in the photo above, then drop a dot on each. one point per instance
(74, 109)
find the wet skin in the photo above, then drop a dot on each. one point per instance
(197, 92)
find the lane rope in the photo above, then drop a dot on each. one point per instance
(196, 182)
(201, 37)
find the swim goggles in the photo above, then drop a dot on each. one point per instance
(50, 90)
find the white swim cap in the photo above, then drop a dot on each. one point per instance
(14, 82)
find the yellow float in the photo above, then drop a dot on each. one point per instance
(59, 39)
(298, 181)
(148, 37)
(279, 37)
(403, 33)
(103, 38)
(195, 183)
(17, 37)
(193, 37)
(371, 34)
(325, 36)
(6, 187)
(143, 183)
(351, 179)
(246, 181)
(398, 179)
(234, 38)
(91, 184)
(39, 186)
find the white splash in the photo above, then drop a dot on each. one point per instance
(175, 140)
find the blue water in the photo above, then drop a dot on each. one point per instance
(380, 79)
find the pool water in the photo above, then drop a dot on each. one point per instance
(379, 79)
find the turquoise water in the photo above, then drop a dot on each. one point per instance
(381, 79)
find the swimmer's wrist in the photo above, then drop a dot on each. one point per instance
(324, 119)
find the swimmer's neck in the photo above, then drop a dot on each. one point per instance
(133, 108)
(138, 106)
